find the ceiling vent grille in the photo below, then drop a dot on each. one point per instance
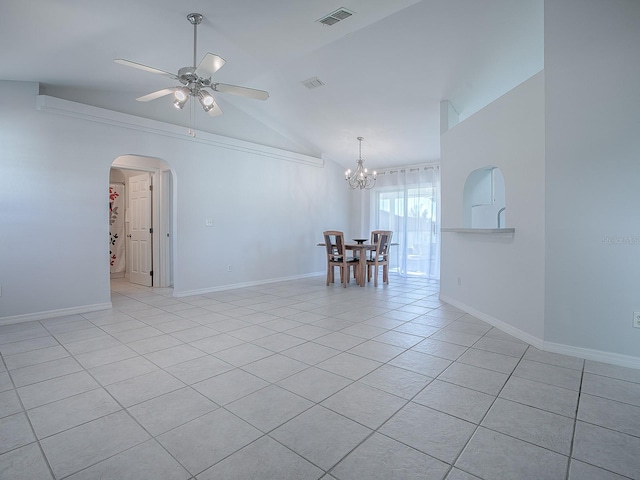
(335, 17)
(314, 82)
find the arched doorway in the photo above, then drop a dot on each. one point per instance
(142, 250)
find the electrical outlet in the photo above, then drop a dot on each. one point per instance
(636, 319)
(459, 282)
(228, 268)
(208, 222)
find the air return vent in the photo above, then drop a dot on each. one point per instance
(314, 82)
(335, 17)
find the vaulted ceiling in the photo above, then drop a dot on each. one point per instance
(385, 69)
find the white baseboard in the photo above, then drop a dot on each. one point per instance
(232, 286)
(28, 317)
(62, 312)
(570, 350)
(505, 327)
(591, 354)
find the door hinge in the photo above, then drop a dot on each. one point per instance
(150, 187)
(151, 273)
(151, 230)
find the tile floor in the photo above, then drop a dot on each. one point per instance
(297, 380)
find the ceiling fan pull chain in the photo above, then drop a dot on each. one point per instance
(192, 114)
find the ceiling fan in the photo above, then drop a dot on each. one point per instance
(196, 80)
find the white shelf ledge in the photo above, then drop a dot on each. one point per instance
(482, 231)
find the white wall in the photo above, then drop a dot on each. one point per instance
(501, 277)
(592, 74)
(590, 218)
(54, 171)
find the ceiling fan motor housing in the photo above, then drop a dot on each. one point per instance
(195, 18)
(187, 75)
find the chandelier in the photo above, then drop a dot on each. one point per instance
(360, 178)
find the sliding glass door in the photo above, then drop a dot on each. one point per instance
(406, 201)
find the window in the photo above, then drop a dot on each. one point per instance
(406, 202)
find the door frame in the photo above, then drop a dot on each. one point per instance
(162, 199)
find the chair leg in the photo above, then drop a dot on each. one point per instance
(385, 273)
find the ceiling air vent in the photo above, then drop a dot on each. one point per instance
(314, 82)
(335, 17)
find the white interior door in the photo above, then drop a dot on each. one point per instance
(140, 241)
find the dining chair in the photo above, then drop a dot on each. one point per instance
(374, 237)
(380, 256)
(337, 257)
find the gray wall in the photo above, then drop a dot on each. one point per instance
(587, 176)
(592, 71)
(269, 212)
(498, 277)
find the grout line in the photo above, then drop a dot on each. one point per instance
(575, 423)
(24, 412)
(322, 298)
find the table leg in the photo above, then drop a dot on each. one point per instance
(362, 267)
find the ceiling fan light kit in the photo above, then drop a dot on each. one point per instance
(196, 80)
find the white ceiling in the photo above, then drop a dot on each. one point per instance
(385, 69)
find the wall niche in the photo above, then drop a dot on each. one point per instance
(484, 202)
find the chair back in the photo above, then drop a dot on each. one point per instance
(334, 243)
(382, 240)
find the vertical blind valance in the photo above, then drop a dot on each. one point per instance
(406, 175)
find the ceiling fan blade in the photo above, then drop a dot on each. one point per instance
(145, 68)
(215, 111)
(209, 65)
(243, 91)
(158, 94)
